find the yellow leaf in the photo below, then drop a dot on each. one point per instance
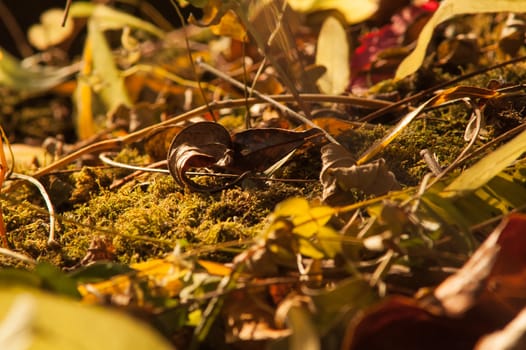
(50, 31)
(230, 26)
(214, 268)
(292, 206)
(333, 53)
(447, 10)
(37, 320)
(160, 273)
(489, 166)
(354, 11)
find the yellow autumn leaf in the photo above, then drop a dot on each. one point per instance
(230, 26)
(354, 11)
(333, 54)
(447, 10)
(50, 30)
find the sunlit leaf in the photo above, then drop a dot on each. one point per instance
(109, 18)
(111, 90)
(329, 241)
(291, 206)
(31, 79)
(309, 222)
(353, 11)
(447, 10)
(26, 155)
(230, 26)
(66, 320)
(50, 30)
(333, 53)
(489, 166)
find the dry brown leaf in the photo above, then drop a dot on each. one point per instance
(258, 149)
(340, 175)
(401, 323)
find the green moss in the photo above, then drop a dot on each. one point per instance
(148, 215)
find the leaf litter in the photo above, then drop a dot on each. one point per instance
(318, 226)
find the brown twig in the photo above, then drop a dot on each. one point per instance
(118, 142)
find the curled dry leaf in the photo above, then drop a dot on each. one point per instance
(209, 145)
(258, 149)
(340, 175)
(201, 145)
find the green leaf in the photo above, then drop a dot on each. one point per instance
(55, 280)
(346, 296)
(99, 271)
(333, 53)
(304, 334)
(489, 166)
(30, 79)
(108, 18)
(111, 88)
(447, 10)
(38, 321)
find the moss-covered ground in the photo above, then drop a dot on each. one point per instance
(149, 214)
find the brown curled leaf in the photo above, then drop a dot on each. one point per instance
(340, 175)
(258, 149)
(200, 145)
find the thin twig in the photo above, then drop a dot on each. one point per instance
(433, 89)
(118, 142)
(266, 98)
(474, 136)
(66, 13)
(187, 42)
(51, 240)
(105, 158)
(18, 256)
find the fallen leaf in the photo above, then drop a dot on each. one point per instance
(67, 320)
(447, 10)
(200, 145)
(50, 31)
(380, 51)
(259, 148)
(485, 294)
(353, 11)
(489, 166)
(340, 175)
(401, 323)
(247, 317)
(209, 145)
(332, 53)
